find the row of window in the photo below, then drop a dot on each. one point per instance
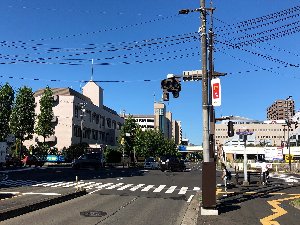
(97, 119)
(92, 134)
(260, 129)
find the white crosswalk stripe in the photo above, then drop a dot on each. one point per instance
(114, 186)
(183, 190)
(159, 189)
(171, 189)
(104, 185)
(147, 188)
(136, 187)
(124, 187)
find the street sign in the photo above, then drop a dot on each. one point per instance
(216, 91)
(244, 132)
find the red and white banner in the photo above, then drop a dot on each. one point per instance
(216, 91)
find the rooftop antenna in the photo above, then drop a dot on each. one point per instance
(154, 97)
(92, 69)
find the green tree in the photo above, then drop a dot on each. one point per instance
(23, 115)
(128, 134)
(6, 104)
(44, 125)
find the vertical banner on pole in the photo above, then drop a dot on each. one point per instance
(216, 91)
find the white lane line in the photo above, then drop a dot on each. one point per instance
(147, 188)
(190, 198)
(114, 186)
(136, 187)
(35, 193)
(159, 189)
(10, 192)
(124, 187)
(171, 189)
(183, 190)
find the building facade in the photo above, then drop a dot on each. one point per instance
(281, 110)
(80, 118)
(160, 120)
(270, 132)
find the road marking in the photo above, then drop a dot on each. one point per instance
(278, 211)
(10, 192)
(171, 189)
(124, 187)
(136, 187)
(190, 198)
(147, 188)
(183, 190)
(104, 185)
(114, 186)
(196, 189)
(159, 189)
(36, 193)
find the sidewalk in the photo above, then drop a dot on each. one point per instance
(249, 205)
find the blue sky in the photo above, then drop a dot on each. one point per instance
(133, 41)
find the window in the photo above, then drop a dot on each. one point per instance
(97, 119)
(114, 125)
(76, 111)
(89, 116)
(94, 118)
(108, 122)
(103, 121)
(95, 134)
(119, 125)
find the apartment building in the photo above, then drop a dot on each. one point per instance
(80, 118)
(281, 110)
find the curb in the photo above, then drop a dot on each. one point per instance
(191, 214)
(18, 211)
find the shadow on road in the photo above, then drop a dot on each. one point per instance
(232, 201)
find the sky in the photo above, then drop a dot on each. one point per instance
(134, 45)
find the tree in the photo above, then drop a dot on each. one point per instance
(44, 125)
(128, 133)
(6, 103)
(23, 115)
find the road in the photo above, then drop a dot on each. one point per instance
(137, 196)
(115, 195)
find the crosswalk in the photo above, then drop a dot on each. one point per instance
(92, 186)
(287, 178)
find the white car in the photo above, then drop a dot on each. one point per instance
(151, 163)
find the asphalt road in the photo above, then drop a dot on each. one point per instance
(115, 195)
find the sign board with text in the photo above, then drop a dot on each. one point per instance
(216, 91)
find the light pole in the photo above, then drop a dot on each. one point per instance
(288, 131)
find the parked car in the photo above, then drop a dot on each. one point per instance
(32, 160)
(12, 161)
(151, 163)
(89, 160)
(172, 163)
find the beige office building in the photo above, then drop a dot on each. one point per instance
(80, 118)
(161, 120)
(270, 132)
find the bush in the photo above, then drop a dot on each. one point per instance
(113, 156)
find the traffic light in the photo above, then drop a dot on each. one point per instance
(170, 85)
(230, 130)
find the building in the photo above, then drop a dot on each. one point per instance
(281, 110)
(161, 120)
(270, 132)
(80, 118)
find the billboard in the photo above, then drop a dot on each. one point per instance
(273, 153)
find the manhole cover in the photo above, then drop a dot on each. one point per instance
(93, 213)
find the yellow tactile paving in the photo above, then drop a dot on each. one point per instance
(278, 211)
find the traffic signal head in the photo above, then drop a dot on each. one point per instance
(165, 96)
(230, 130)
